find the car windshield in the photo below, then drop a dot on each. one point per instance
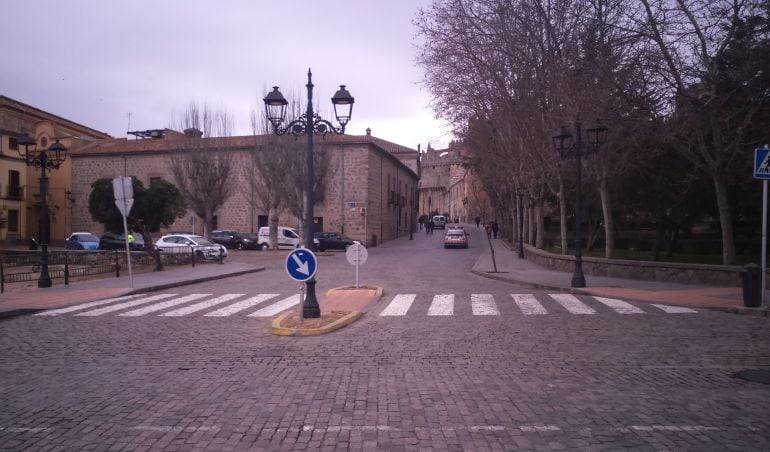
(87, 238)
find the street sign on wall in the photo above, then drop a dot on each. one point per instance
(762, 163)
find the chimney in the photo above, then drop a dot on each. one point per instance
(368, 132)
(192, 132)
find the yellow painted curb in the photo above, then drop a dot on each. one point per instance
(345, 320)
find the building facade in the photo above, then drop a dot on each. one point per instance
(20, 185)
(370, 188)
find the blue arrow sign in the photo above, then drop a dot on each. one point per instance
(761, 163)
(301, 264)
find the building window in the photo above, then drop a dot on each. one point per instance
(13, 143)
(13, 220)
(214, 221)
(154, 179)
(14, 184)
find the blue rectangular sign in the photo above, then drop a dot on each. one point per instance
(761, 163)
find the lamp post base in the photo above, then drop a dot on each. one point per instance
(578, 279)
(310, 308)
(45, 277)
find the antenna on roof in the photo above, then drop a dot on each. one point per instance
(129, 122)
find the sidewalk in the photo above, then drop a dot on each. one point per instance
(521, 271)
(26, 302)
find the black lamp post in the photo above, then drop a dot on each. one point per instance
(309, 124)
(45, 159)
(566, 148)
(520, 196)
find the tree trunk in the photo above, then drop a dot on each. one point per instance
(272, 221)
(725, 219)
(531, 221)
(609, 234)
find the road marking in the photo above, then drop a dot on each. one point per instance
(442, 305)
(400, 305)
(202, 305)
(165, 305)
(241, 305)
(528, 304)
(674, 309)
(571, 303)
(86, 305)
(620, 306)
(483, 304)
(129, 304)
(279, 306)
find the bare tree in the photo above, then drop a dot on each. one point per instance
(202, 169)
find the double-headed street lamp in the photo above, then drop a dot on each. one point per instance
(45, 159)
(309, 124)
(566, 148)
(520, 197)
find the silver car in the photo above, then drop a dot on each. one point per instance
(183, 243)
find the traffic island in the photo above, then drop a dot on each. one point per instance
(340, 307)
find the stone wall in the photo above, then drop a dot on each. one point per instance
(717, 275)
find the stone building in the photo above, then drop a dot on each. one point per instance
(370, 190)
(20, 185)
(443, 182)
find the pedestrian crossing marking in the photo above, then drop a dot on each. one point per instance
(80, 307)
(241, 305)
(165, 305)
(483, 304)
(620, 306)
(673, 309)
(399, 305)
(442, 305)
(174, 305)
(126, 305)
(282, 305)
(528, 304)
(571, 303)
(202, 305)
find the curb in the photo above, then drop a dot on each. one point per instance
(343, 321)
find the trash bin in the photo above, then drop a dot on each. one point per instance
(752, 286)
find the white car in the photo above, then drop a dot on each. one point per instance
(183, 243)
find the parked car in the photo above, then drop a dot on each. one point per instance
(115, 241)
(82, 241)
(331, 241)
(181, 243)
(234, 239)
(455, 238)
(439, 221)
(287, 237)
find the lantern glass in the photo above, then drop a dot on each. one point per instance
(343, 105)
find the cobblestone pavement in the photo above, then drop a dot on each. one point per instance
(564, 380)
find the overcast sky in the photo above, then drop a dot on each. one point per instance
(94, 62)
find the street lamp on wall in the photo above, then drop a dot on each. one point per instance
(309, 124)
(563, 144)
(46, 160)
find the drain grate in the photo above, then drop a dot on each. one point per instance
(754, 375)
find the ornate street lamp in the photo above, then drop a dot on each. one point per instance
(520, 196)
(45, 159)
(566, 148)
(309, 124)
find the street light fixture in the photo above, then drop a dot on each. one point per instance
(520, 196)
(45, 159)
(566, 148)
(309, 124)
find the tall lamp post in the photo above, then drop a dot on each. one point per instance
(520, 196)
(566, 148)
(309, 124)
(45, 159)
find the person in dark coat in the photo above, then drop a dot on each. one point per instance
(478, 220)
(495, 229)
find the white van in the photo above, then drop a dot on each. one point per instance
(287, 237)
(439, 222)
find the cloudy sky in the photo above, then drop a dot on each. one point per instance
(95, 61)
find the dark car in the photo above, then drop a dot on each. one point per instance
(332, 241)
(114, 241)
(234, 239)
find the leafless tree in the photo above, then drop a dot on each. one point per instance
(202, 168)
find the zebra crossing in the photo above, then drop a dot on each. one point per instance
(399, 305)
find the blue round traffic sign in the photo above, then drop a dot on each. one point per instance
(301, 264)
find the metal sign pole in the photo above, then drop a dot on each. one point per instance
(764, 240)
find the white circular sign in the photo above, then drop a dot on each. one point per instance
(356, 254)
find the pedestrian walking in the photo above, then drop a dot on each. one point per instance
(495, 229)
(488, 229)
(431, 225)
(478, 220)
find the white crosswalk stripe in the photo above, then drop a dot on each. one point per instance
(126, 305)
(165, 305)
(442, 305)
(528, 304)
(173, 305)
(620, 306)
(483, 304)
(400, 305)
(571, 303)
(241, 305)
